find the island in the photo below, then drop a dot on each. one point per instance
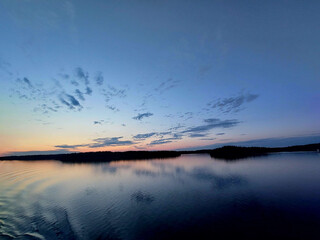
(234, 152)
(105, 156)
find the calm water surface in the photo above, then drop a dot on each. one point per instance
(276, 196)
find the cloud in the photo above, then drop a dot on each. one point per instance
(49, 97)
(186, 115)
(160, 135)
(166, 85)
(44, 108)
(43, 122)
(145, 99)
(71, 146)
(74, 83)
(44, 97)
(70, 101)
(117, 92)
(82, 75)
(79, 94)
(113, 92)
(212, 123)
(64, 75)
(99, 142)
(114, 141)
(174, 137)
(165, 133)
(112, 108)
(195, 135)
(144, 135)
(25, 89)
(27, 81)
(142, 115)
(66, 103)
(220, 134)
(5, 67)
(233, 104)
(208, 139)
(102, 122)
(159, 141)
(139, 147)
(99, 78)
(176, 127)
(88, 91)
(73, 100)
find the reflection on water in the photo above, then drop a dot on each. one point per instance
(190, 196)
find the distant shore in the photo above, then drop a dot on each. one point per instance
(226, 152)
(234, 152)
(98, 156)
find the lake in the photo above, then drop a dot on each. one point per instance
(275, 196)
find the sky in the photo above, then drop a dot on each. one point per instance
(95, 75)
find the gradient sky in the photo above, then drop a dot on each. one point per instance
(131, 75)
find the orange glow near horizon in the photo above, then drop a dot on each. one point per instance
(36, 146)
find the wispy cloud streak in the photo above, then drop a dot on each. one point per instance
(232, 104)
(212, 123)
(140, 116)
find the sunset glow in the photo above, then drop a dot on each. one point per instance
(148, 77)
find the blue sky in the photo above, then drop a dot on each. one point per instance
(131, 75)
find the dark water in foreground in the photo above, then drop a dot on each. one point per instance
(274, 196)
